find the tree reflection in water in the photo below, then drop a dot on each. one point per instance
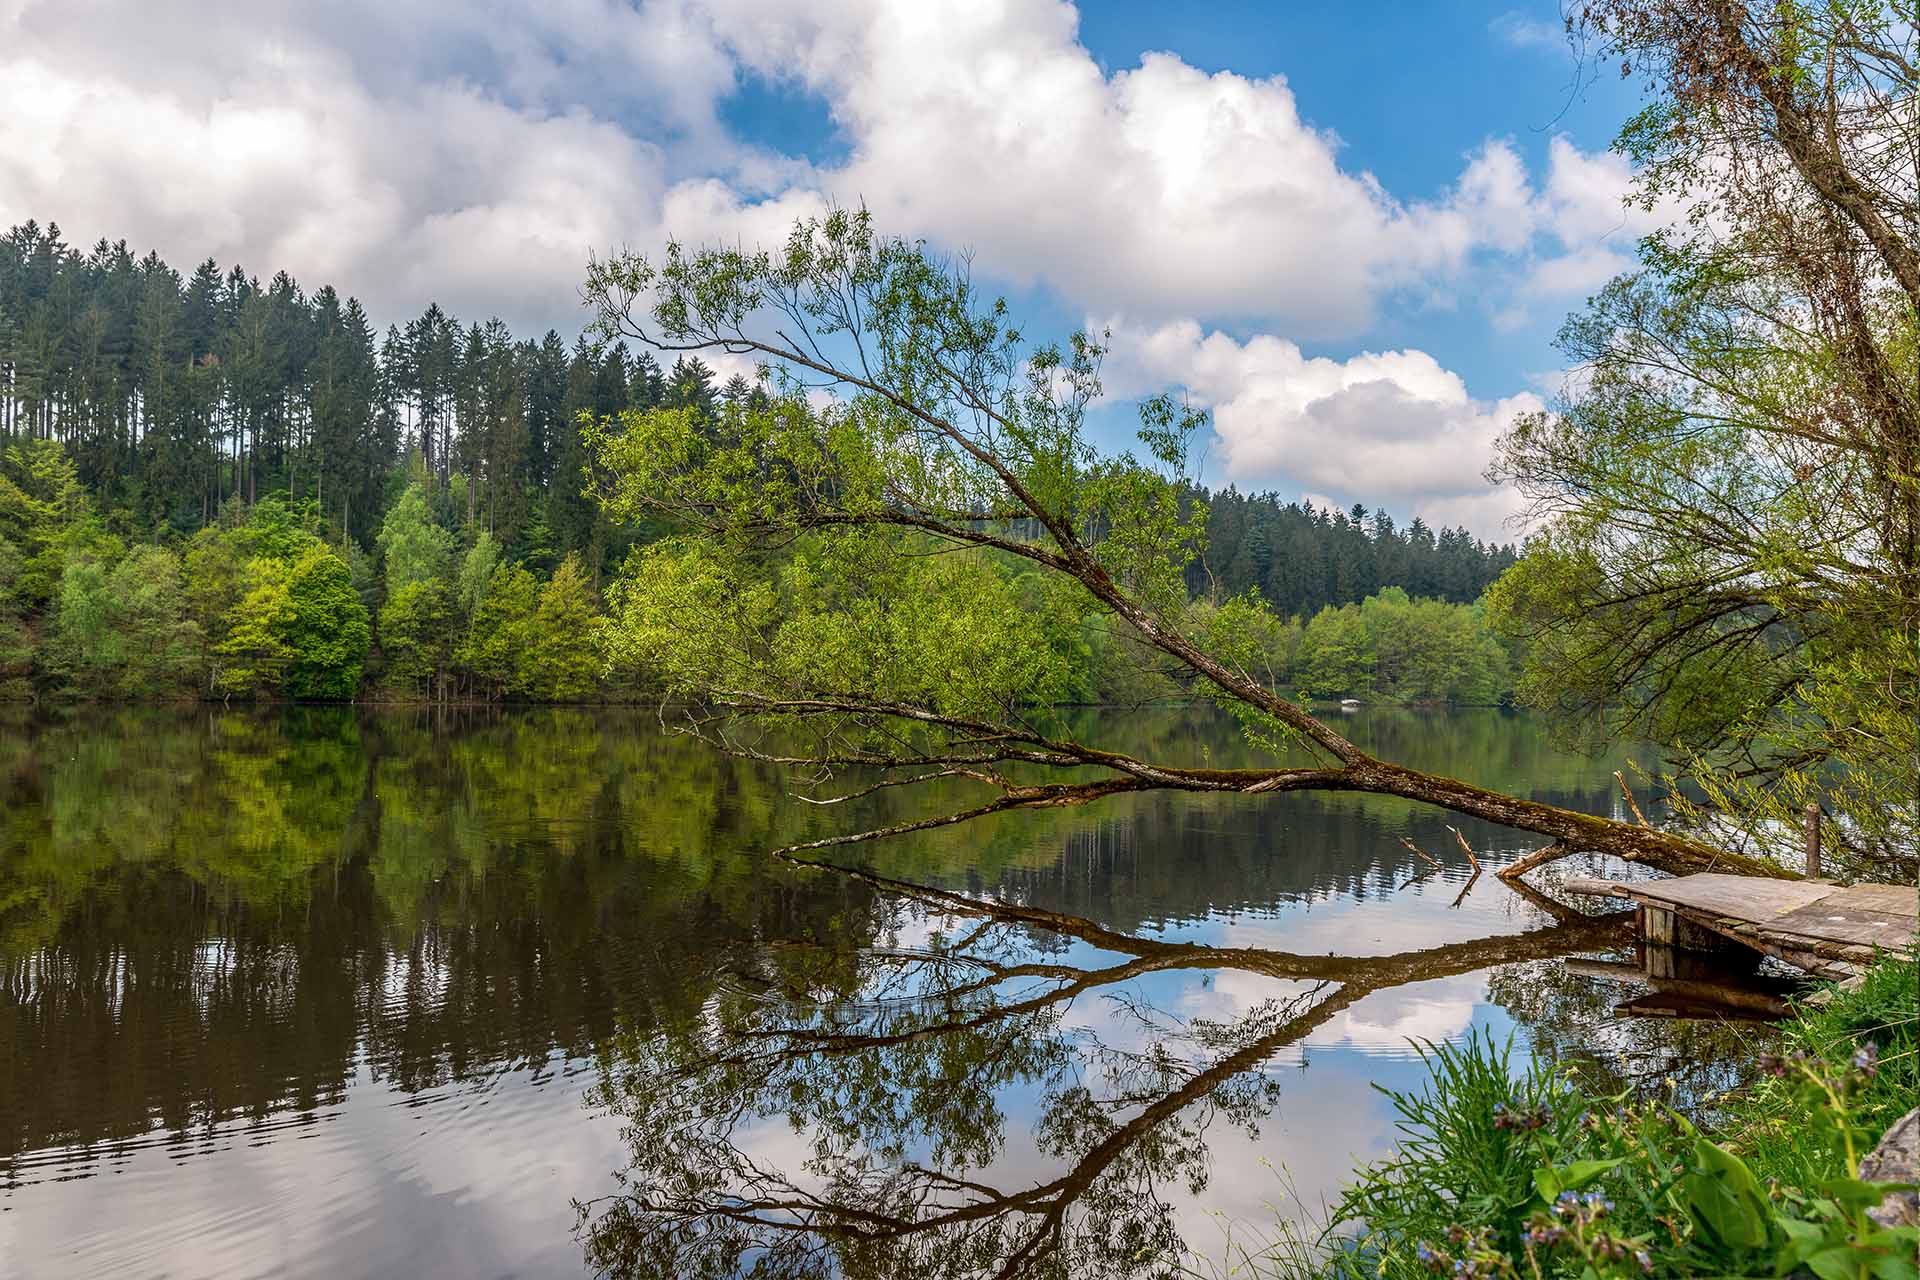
(835, 1115)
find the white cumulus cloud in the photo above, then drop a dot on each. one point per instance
(1157, 190)
(1392, 427)
(343, 140)
(475, 154)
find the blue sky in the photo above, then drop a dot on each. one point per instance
(1349, 231)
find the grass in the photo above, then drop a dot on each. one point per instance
(1767, 1125)
(1513, 1170)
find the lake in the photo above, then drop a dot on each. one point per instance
(349, 992)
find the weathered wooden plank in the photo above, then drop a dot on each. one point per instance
(1860, 928)
(1812, 925)
(1894, 899)
(1600, 888)
(1747, 897)
(1656, 926)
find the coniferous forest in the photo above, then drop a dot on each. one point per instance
(211, 486)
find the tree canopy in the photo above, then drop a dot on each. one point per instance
(1728, 560)
(887, 581)
(150, 418)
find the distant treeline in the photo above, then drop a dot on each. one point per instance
(175, 394)
(214, 487)
(1303, 558)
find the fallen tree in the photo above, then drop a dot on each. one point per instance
(892, 577)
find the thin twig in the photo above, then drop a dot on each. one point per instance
(1466, 849)
(1422, 852)
(1627, 791)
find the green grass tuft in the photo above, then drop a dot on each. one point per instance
(1505, 1171)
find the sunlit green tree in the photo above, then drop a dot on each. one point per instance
(124, 632)
(327, 629)
(563, 660)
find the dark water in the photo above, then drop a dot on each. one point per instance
(325, 992)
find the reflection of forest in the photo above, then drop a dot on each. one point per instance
(1162, 858)
(207, 915)
(893, 1080)
(204, 916)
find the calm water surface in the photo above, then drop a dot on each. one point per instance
(327, 992)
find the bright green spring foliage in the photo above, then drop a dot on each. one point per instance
(42, 514)
(1710, 577)
(500, 629)
(892, 545)
(1510, 1171)
(260, 605)
(299, 630)
(254, 654)
(328, 632)
(563, 661)
(414, 548)
(1729, 557)
(843, 612)
(1394, 648)
(416, 635)
(122, 630)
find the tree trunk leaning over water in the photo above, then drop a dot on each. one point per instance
(896, 575)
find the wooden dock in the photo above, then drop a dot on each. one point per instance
(1829, 930)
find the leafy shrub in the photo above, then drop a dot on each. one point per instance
(1505, 1172)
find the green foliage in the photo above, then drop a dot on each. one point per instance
(1335, 655)
(275, 528)
(476, 572)
(327, 630)
(1769, 1124)
(414, 549)
(1518, 1172)
(794, 576)
(257, 605)
(1727, 499)
(286, 621)
(123, 632)
(1301, 558)
(416, 634)
(843, 613)
(42, 510)
(214, 580)
(501, 636)
(253, 657)
(1391, 647)
(1118, 670)
(273, 418)
(1459, 1161)
(563, 661)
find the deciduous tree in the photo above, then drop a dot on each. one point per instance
(797, 593)
(1729, 555)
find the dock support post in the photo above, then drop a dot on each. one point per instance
(1813, 839)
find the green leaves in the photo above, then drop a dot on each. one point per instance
(846, 613)
(562, 661)
(1837, 1240)
(416, 634)
(123, 631)
(415, 549)
(326, 633)
(255, 653)
(1725, 1200)
(1608, 1187)
(1728, 531)
(1551, 1180)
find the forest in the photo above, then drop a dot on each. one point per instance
(211, 487)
